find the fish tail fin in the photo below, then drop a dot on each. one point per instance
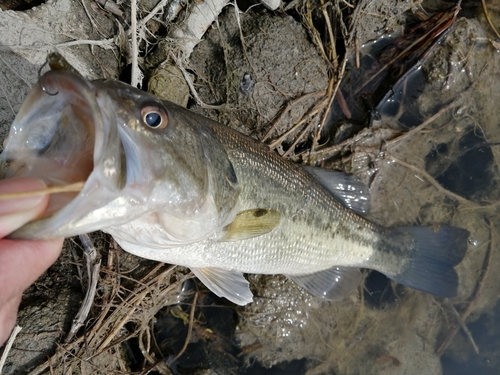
(434, 255)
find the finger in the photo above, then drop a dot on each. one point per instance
(22, 262)
(8, 314)
(14, 213)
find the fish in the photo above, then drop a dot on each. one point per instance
(176, 187)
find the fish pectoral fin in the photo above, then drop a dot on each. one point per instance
(346, 188)
(228, 284)
(334, 283)
(251, 223)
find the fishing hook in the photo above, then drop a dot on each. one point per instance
(44, 89)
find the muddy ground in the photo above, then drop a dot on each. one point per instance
(431, 157)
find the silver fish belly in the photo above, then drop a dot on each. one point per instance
(175, 187)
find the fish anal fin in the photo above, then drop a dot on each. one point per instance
(334, 283)
(251, 223)
(225, 283)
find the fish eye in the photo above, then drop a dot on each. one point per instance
(154, 117)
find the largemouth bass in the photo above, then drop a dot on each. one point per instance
(175, 187)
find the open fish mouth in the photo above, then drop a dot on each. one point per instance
(114, 138)
(62, 136)
(53, 136)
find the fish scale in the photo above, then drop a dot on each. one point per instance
(308, 204)
(189, 191)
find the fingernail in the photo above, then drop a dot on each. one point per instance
(18, 185)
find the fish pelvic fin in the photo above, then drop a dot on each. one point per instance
(335, 283)
(430, 267)
(225, 283)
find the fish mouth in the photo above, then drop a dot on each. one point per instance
(63, 136)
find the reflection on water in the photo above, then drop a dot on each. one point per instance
(462, 360)
(455, 166)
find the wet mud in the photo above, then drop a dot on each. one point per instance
(429, 153)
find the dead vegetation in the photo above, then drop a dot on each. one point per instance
(348, 337)
(117, 308)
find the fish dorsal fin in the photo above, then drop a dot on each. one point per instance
(347, 189)
(251, 223)
(334, 283)
(228, 284)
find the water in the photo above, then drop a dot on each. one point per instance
(444, 172)
(447, 172)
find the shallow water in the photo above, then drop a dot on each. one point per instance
(444, 172)
(386, 328)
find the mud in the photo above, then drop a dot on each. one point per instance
(445, 173)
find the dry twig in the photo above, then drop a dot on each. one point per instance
(462, 325)
(472, 303)
(288, 107)
(332, 93)
(431, 119)
(433, 182)
(190, 329)
(8, 346)
(315, 110)
(93, 267)
(136, 79)
(104, 334)
(488, 18)
(189, 81)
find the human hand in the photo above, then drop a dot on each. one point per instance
(21, 261)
